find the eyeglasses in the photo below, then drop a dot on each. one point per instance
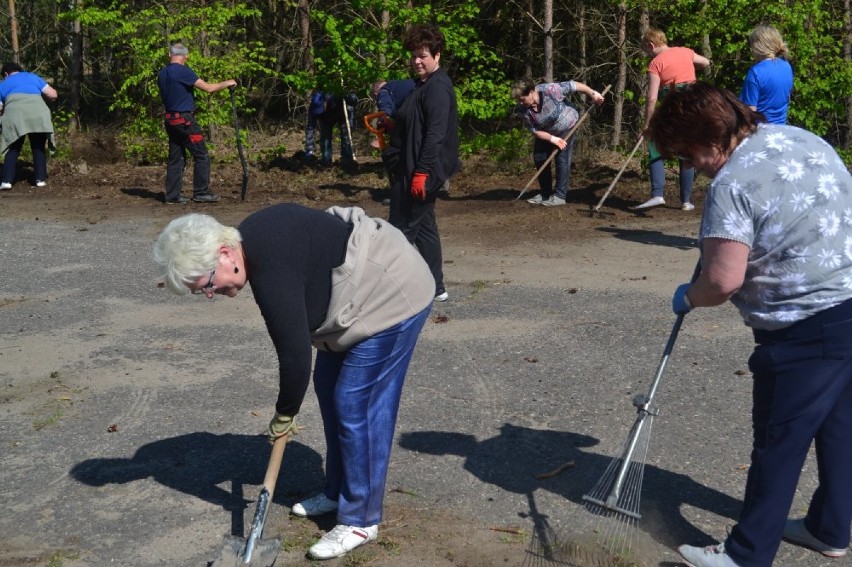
(209, 287)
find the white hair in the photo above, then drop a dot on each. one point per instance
(178, 50)
(189, 247)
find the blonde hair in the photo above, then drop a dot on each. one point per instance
(189, 247)
(766, 42)
(655, 36)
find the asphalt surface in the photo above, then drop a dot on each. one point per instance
(130, 418)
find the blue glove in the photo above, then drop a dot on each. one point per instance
(680, 303)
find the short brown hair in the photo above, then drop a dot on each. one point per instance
(522, 87)
(700, 116)
(419, 36)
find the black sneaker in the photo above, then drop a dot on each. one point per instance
(179, 201)
(205, 198)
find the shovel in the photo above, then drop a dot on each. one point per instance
(244, 187)
(255, 551)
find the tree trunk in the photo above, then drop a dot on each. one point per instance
(548, 41)
(307, 41)
(530, 36)
(621, 82)
(76, 71)
(13, 23)
(581, 35)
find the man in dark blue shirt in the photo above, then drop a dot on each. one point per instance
(176, 82)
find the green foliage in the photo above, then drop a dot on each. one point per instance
(355, 50)
(506, 146)
(812, 29)
(139, 39)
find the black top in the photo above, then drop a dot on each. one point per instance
(290, 252)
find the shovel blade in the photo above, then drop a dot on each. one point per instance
(231, 555)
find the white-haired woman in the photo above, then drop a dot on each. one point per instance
(352, 287)
(769, 82)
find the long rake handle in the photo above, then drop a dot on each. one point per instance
(620, 171)
(553, 153)
(627, 457)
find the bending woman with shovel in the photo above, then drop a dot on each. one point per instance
(352, 287)
(775, 241)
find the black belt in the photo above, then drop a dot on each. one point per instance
(177, 114)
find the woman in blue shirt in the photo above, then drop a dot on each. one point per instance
(25, 113)
(769, 81)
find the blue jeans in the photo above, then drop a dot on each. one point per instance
(802, 393)
(658, 179)
(541, 151)
(359, 392)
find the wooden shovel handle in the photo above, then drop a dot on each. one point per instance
(274, 466)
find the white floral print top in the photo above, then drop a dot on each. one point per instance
(786, 194)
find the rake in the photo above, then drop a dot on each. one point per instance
(616, 494)
(595, 211)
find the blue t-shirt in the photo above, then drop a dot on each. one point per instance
(767, 87)
(21, 82)
(786, 194)
(176, 87)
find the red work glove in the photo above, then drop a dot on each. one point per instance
(418, 185)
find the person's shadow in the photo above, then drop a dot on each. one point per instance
(197, 462)
(513, 459)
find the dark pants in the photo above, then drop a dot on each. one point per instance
(416, 219)
(802, 392)
(541, 151)
(185, 136)
(38, 145)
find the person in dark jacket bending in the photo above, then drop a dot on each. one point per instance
(424, 149)
(351, 286)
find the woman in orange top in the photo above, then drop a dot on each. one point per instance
(670, 67)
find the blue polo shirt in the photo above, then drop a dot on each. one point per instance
(767, 87)
(21, 82)
(176, 87)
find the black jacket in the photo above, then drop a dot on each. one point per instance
(426, 137)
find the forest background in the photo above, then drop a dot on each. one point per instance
(103, 57)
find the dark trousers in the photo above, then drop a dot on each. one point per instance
(416, 219)
(802, 392)
(562, 163)
(38, 145)
(185, 136)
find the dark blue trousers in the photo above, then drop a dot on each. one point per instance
(802, 393)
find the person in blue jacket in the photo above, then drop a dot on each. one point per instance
(25, 113)
(769, 82)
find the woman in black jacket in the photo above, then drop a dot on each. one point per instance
(424, 149)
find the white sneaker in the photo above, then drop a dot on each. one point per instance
(554, 201)
(5, 186)
(687, 207)
(652, 202)
(315, 506)
(341, 540)
(41, 183)
(443, 296)
(535, 200)
(710, 556)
